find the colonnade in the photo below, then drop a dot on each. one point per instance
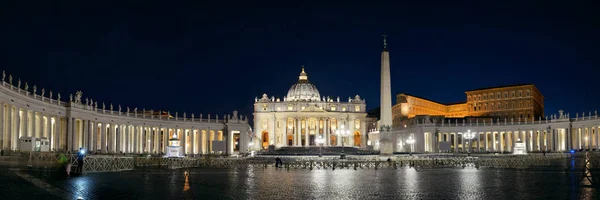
(70, 134)
(504, 141)
(17, 122)
(557, 135)
(71, 125)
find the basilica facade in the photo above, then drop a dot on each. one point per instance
(305, 118)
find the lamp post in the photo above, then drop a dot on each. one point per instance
(320, 141)
(342, 133)
(410, 141)
(468, 135)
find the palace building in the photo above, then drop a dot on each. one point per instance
(67, 125)
(305, 118)
(517, 102)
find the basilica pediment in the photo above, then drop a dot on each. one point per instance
(313, 109)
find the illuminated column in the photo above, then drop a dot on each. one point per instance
(26, 123)
(184, 141)
(119, 138)
(127, 139)
(70, 127)
(165, 136)
(285, 132)
(296, 132)
(136, 141)
(7, 126)
(102, 146)
(52, 133)
(157, 140)
(306, 140)
(455, 142)
(56, 133)
(3, 133)
(485, 141)
(33, 125)
(338, 138)
(327, 127)
(17, 125)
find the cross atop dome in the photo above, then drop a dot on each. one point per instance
(303, 76)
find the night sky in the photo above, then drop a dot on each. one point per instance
(208, 58)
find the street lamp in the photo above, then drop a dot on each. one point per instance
(468, 135)
(320, 141)
(342, 133)
(410, 141)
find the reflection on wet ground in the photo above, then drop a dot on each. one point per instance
(272, 183)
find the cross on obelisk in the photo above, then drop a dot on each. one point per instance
(384, 41)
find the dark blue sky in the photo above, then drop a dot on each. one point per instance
(208, 58)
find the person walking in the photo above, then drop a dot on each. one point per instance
(80, 157)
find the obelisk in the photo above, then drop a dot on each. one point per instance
(386, 87)
(385, 119)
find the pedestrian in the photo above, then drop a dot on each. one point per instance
(80, 156)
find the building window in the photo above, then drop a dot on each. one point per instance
(497, 95)
(527, 92)
(303, 107)
(505, 95)
(343, 108)
(332, 107)
(290, 107)
(278, 108)
(512, 94)
(264, 106)
(520, 93)
(356, 108)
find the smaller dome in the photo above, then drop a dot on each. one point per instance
(303, 90)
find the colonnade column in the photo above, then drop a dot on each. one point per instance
(165, 133)
(17, 127)
(56, 133)
(33, 125)
(3, 133)
(184, 141)
(26, 123)
(136, 141)
(5, 126)
(70, 127)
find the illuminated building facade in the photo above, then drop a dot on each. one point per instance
(515, 102)
(303, 116)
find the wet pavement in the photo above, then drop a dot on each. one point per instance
(272, 183)
(14, 187)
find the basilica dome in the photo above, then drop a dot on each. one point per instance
(303, 90)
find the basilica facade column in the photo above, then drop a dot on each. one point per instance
(297, 131)
(306, 140)
(327, 130)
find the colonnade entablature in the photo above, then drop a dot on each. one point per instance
(75, 123)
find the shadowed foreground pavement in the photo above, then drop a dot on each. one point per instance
(14, 187)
